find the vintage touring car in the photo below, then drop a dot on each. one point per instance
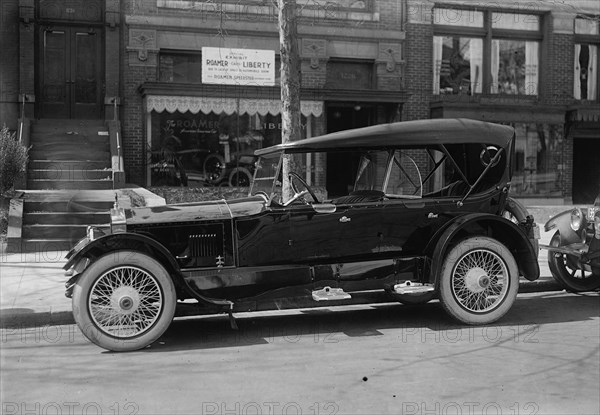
(424, 218)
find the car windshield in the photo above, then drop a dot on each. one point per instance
(267, 170)
(393, 172)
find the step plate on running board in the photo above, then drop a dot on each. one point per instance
(329, 294)
(412, 288)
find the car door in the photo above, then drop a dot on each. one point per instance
(332, 233)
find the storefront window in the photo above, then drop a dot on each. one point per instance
(189, 149)
(540, 161)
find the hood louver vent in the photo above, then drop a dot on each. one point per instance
(206, 245)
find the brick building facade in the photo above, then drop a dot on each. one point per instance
(362, 63)
(476, 48)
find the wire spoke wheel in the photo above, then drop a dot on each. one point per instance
(479, 280)
(125, 301)
(568, 272)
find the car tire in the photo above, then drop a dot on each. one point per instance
(214, 168)
(479, 281)
(129, 288)
(564, 269)
(516, 213)
(240, 177)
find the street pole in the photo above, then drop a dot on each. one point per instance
(290, 85)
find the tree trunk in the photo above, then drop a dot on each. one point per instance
(290, 85)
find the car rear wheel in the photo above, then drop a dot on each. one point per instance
(214, 168)
(566, 271)
(479, 281)
(240, 177)
(124, 301)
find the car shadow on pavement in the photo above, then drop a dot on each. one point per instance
(331, 325)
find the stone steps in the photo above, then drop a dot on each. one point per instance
(44, 184)
(69, 183)
(70, 174)
(66, 218)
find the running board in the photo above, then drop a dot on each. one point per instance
(410, 287)
(330, 294)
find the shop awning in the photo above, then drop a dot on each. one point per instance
(588, 113)
(160, 103)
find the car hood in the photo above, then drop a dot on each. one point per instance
(198, 211)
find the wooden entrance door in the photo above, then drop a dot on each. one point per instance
(71, 73)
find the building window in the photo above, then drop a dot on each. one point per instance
(514, 67)
(467, 60)
(180, 67)
(587, 40)
(458, 68)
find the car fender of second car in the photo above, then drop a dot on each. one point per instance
(561, 223)
(497, 227)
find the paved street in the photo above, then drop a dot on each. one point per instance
(542, 358)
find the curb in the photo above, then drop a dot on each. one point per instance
(540, 286)
(26, 318)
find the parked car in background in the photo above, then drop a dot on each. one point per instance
(237, 172)
(574, 250)
(423, 219)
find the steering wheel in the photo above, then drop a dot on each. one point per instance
(298, 194)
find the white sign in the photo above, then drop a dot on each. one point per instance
(227, 66)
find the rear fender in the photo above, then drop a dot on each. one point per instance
(478, 224)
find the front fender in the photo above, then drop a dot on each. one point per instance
(479, 224)
(117, 241)
(80, 257)
(561, 223)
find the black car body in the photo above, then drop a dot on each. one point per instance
(423, 219)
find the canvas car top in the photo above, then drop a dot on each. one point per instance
(406, 133)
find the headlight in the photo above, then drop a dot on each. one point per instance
(576, 219)
(592, 212)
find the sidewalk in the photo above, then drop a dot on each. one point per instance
(32, 287)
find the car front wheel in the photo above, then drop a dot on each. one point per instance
(124, 301)
(479, 281)
(567, 272)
